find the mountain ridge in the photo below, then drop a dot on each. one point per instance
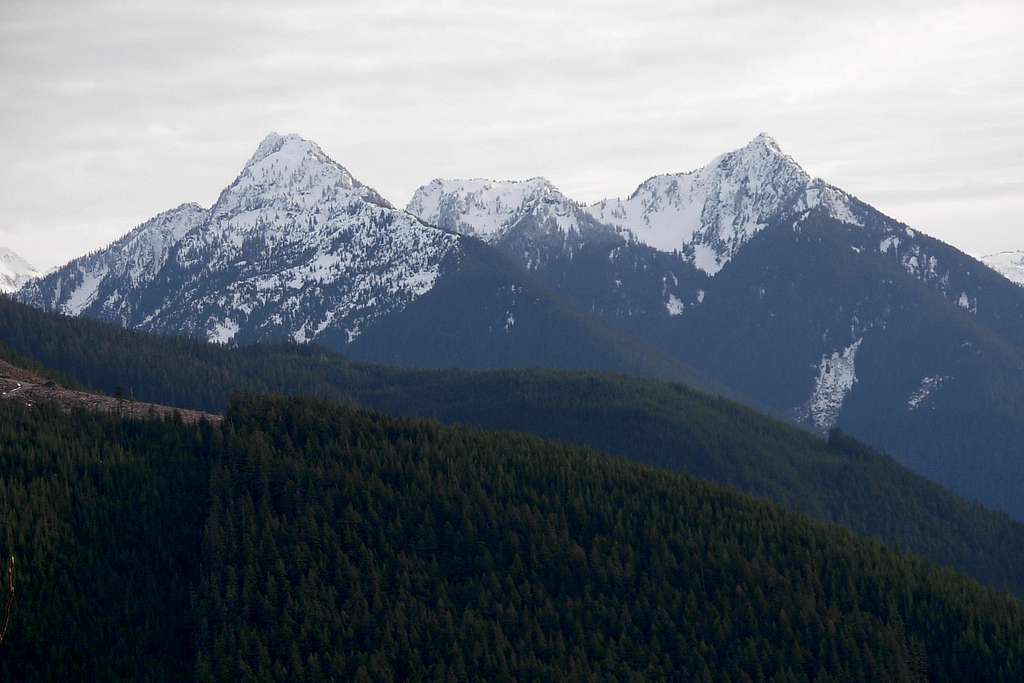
(297, 249)
(714, 210)
(531, 218)
(297, 206)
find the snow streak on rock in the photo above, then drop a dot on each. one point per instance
(929, 385)
(837, 374)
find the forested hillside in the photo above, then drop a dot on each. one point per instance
(656, 423)
(104, 517)
(303, 541)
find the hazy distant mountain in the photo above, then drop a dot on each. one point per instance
(1009, 264)
(14, 271)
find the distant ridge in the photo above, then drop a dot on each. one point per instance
(1009, 264)
(14, 271)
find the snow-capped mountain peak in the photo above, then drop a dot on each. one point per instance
(766, 140)
(288, 152)
(1009, 264)
(292, 174)
(297, 234)
(711, 212)
(707, 214)
(14, 271)
(270, 144)
(295, 247)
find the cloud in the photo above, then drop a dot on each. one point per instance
(114, 111)
(956, 193)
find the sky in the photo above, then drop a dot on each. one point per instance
(111, 112)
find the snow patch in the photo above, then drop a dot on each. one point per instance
(674, 305)
(888, 243)
(707, 259)
(85, 293)
(967, 303)
(223, 332)
(928, 386)
(837, 374)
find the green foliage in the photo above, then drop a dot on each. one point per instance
(301, 541)
(656, 423)
(104, 517)
(31, 365)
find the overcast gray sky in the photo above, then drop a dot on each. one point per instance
(111, 112)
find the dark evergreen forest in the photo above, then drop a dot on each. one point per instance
(305, 541)
(656, 423)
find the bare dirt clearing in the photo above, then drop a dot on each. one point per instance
(25, 387)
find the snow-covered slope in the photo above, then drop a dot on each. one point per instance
(294, 248)
(14, 271)
(489, 208)
(1009, 264)
(109, 282)
(710, 213)
(592, 263)
(530, 218)
(297, 246)
(707, 216)
(837, 373)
